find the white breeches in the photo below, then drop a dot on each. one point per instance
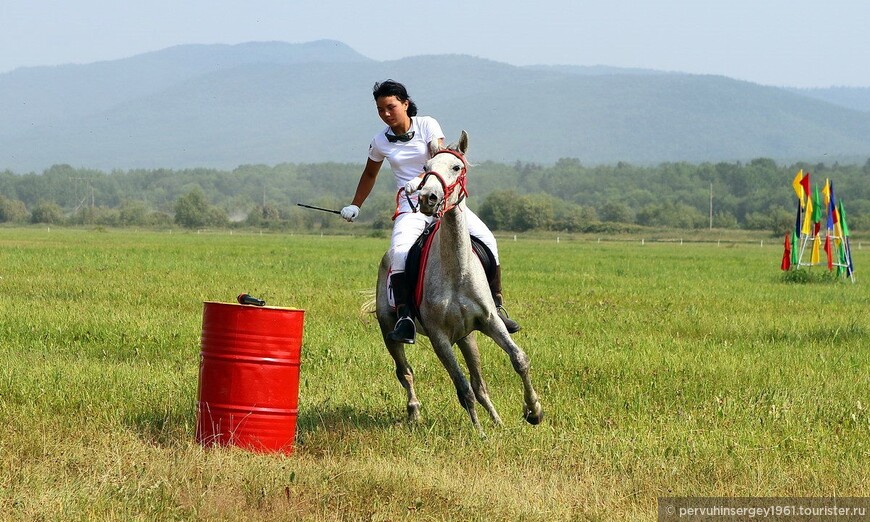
(408, 227)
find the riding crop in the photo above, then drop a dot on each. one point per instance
(320, 208)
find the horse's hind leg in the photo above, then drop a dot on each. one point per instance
(405, 374)
(532, 410)
(444, 350)
(468, 346)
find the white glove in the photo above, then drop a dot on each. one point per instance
(411, 186)
(350, 212)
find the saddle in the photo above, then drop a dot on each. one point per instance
(415, 265)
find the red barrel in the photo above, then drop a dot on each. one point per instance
(249, 376)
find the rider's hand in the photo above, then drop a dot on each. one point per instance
(412, 186)
(350, 212)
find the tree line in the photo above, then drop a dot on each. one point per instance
(565, 196)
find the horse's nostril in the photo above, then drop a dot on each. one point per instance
(433, 199)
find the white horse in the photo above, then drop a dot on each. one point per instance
(456, 299)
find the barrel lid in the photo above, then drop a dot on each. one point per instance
(255, 307)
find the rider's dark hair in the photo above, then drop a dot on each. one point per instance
(394, 88)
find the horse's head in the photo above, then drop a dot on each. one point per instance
(443, 185)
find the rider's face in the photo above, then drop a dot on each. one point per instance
(392, 111)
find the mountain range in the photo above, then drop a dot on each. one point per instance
(222, 106)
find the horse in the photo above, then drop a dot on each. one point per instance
(456, 300)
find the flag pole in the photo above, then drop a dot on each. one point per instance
(804, 241)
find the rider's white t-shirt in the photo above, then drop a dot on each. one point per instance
(406, 158)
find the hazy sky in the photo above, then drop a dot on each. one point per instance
(774, 42)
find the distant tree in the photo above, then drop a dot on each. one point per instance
(13, 211)
(46, 212)
(499, 209)
(132, 213)
(572, 218)
(857, 214)
(192, 210)
(616, 212)
(96, 216)
(523, 196)
(261, 215)
(671, 214)
(159, 219)
(781, 220)
(533, 212)
(217, 217)
(724, 219)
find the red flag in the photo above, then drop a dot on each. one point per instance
(828, 252)
(805, 183)
(786, 255)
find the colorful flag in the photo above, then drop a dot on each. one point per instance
(786, 253)
(805, 183)
(808, 216)
(835, 217)
(826, 190)
(842, 263)
(795, 252)
(798, 186)
(818, 210)
(814, 257)
(842, 215)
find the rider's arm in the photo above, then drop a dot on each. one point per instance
(366, 181)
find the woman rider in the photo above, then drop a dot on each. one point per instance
(404, 142)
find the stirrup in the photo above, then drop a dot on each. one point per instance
(404, 332)
(511, 325)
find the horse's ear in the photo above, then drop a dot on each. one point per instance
(463, 142)
(434, 147)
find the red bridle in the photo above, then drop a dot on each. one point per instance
(449, 189)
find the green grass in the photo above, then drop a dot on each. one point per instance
(664, 369)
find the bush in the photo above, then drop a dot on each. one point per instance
(13, 211)
(193, 211)
(48, 213)
(804, 276)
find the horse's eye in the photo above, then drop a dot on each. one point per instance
(456, 168)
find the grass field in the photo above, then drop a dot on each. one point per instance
(664, 369)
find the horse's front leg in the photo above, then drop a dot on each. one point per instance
(468, 346)
(444, 350)
(494, 328)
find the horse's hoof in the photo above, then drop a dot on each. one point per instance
(413, 413)
(534, 417)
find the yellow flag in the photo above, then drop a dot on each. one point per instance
(808, 218)
(798, 188)
(814, 258)
(827, 192)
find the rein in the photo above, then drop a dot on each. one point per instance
(448, 189)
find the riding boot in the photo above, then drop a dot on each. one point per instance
(495, 288)
(405, 329)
